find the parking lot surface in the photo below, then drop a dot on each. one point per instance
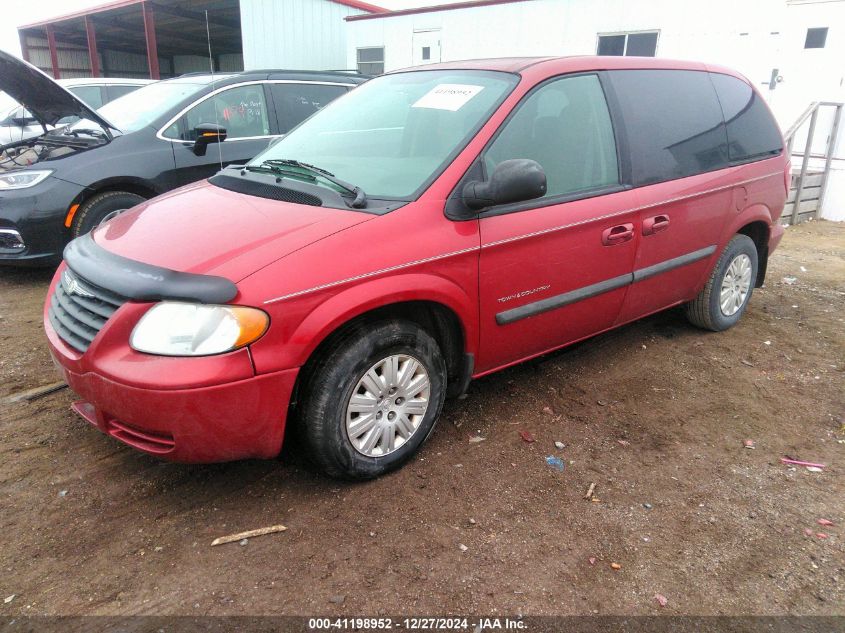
(655, 414)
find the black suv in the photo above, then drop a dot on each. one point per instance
(69, 180)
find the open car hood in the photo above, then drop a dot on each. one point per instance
(44, 98)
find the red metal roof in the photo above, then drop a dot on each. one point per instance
(119, 4)
(116, 4)
(363, 6)
(469, 4)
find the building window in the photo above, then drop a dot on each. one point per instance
(816, 38)
(641, 44)
(426, 53)
(371, 60)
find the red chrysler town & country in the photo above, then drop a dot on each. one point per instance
(432, 226)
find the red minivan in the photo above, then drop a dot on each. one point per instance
(432, 226)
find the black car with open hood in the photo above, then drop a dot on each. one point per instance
(46, 101)
(70, 179)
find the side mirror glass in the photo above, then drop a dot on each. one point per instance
(208, 133)
(514, 180)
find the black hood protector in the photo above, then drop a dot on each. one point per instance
(143, 282)
(44, 98)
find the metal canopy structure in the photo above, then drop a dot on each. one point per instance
(160, 30)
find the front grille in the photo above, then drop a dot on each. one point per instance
(79, 310)
(261, 190)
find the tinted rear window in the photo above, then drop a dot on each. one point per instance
(115, 92)
(752, 132)
(297, 102)
(91, 95)
(673, 121)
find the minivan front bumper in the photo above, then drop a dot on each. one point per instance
(218, 423)
(186, 409)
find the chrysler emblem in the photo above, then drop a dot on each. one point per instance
(72, 286)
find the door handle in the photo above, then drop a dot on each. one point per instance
(655, 224)
(617, 234)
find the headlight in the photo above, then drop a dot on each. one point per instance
(22, 179)
(188, 329)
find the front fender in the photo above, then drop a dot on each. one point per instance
(289, 346)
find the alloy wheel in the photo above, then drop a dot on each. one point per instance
(736, 285)
(388, 405)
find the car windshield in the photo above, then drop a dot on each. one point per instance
(393, 134)
(141, 107)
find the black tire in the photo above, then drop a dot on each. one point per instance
(92, 211)
(334, 378)
(705, 310)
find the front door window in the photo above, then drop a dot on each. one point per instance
(565, 126)
(241, 110)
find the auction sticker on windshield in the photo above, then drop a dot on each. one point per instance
(448, 97)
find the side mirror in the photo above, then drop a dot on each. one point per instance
(513, 180)
(208, 133)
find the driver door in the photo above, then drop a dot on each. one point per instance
(556, 269)
(244, 112)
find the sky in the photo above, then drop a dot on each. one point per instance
(18, 12)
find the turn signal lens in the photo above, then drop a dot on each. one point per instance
(192, 329)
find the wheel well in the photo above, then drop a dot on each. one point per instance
(435, 318)
(138, 189)
(130, 187)
(759, 233)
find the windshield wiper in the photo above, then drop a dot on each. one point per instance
(89, 131)
(279, 165)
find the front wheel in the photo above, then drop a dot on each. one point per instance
(373, 401)
(722, 301)
(101, 208)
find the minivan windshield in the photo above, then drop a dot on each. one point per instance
(393, 134)
(141, 107)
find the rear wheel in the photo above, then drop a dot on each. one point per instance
(373, 401)
(101, 208)
(722, 301)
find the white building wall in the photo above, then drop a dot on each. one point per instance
(294, 34)
(752, 36)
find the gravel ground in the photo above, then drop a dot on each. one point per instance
(655, 414)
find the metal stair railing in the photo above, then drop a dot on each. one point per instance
(812, 113)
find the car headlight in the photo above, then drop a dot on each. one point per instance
(23, 179)
(190, 329)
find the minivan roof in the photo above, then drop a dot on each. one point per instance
(575, 63)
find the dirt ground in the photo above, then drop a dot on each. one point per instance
(654, 413)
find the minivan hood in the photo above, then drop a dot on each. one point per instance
(208, 230)
(44, 98)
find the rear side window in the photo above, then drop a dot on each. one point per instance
(297, 102)
(565, 126)
(114, 91)
(89, 94)
(673, 121)
(752, 132)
